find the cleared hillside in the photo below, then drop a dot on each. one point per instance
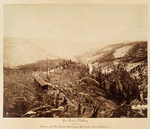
(112, 86)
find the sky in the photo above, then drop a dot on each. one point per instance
(71, 29)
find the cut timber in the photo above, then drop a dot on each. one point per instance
(29, 113)
(40, 108)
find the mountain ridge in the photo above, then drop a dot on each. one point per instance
(107, 51)
(19, 51)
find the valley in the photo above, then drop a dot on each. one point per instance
(108, 83)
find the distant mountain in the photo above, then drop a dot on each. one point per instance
(128, 51)
(19, 51)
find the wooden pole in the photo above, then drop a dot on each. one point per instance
(40, 67)
(47, 67)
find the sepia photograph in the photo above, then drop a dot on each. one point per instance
(75, 61)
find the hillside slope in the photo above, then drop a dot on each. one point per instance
(18, 51)
(112, 84)
(130, 56)
(127, 51)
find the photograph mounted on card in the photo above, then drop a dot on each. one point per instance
(75, 61)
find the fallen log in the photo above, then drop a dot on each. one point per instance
(39, 111)
(48, 113)
(51, 113)
(29, 113)
(40, 108)
(56, 110)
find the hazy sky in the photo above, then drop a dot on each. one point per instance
(68, 30)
